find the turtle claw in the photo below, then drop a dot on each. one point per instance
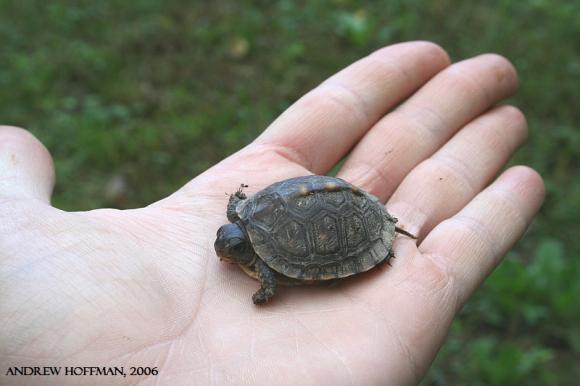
(261, 297)
(239, 193)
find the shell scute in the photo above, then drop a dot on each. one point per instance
(325, 233)
(291, 237)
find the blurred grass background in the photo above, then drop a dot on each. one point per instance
(133, 98)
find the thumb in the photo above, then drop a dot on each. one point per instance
(26, 168)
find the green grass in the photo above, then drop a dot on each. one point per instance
(133, 98)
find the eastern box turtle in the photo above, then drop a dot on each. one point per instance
(304, 230)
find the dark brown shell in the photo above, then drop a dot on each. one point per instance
(317, 228)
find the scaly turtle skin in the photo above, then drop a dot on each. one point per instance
(304, 230)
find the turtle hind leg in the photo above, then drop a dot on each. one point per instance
(390, 256)
(387, 260)
(235, 198)
(267, 279)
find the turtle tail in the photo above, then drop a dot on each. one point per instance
(404, 232)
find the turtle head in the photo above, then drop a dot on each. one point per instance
(233, 246)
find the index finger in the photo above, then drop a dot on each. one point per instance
(323, 125)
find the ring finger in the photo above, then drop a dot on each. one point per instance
(445, 182)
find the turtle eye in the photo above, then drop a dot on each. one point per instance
(239, 246)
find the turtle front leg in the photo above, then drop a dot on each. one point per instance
(267, 279)
(233, 203)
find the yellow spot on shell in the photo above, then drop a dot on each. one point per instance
(330, 186)
(303, 190)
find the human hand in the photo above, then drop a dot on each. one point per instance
(145, 288)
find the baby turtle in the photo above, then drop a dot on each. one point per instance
(304, 230)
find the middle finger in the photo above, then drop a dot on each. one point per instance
(423, 123)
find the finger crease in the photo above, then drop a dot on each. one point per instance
(415, 115)
(448, 287)
(362, 107)
(393, 66)
(369, 176)
(478, 231)
(472, 82)
(515, 213)
(288, 153)
(457, 168)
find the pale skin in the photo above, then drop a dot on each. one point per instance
(144, 287)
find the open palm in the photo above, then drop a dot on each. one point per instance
(144, 287)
